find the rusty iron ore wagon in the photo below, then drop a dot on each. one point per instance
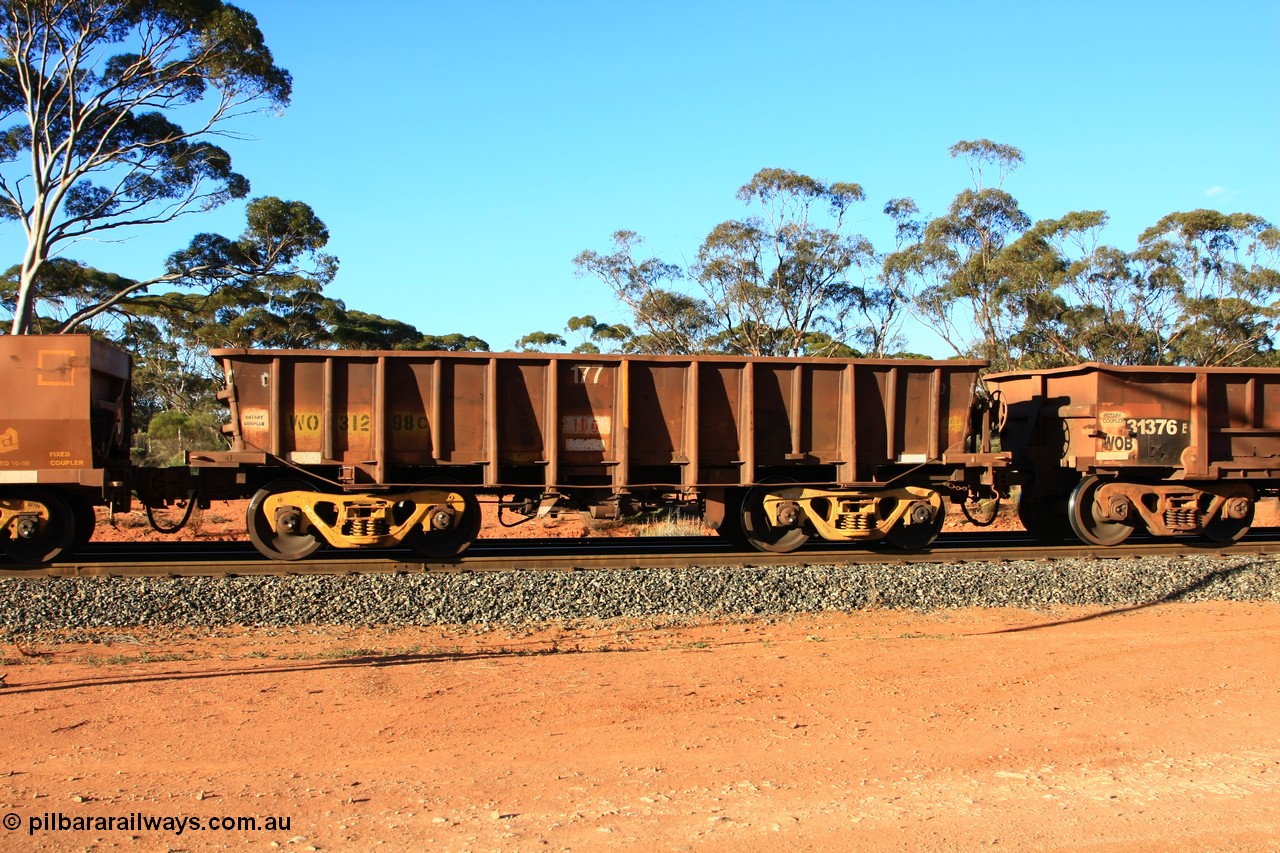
(378, 449)
(1104, 450)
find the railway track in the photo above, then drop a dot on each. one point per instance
(240, 559)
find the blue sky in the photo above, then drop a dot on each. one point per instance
(463, 153)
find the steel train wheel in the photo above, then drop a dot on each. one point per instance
(1224, 531)
(280, 544)
(1089, 526)
(759, 534)
(48, 535)
(86, 521)
(451, 543)
(916, 537)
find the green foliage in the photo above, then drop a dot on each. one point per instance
(450, 343)
(779, 276)
(1030, 292)
(773, 283)
(666, 321)
(954, 270)
(1202, 287)
(597, 337)
(169, 374)
(359, 330)
(1078, 300)
(540, 342)
(171, 434)
(983, 154)
(822, 345)
(66, 287)
(1219, 273)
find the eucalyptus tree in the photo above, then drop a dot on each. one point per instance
(666, 320)
(171, 372)
(66, 288)
(541, 342)
(361, 330)
(352, 329)
(593, 337)
(276, 266)
(91, 96)
(1079, 298)
(952, 271)
(1221, 275)
(596, 336)
(789, 270)
(451, 342)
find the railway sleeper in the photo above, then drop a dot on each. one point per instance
(908, 516)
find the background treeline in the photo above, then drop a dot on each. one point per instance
(791, 278)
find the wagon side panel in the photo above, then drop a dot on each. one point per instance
(1243, 423)
(912, 413)
(526, 443)
(722, 424)
(412, 409)
(592, 443)
(660, 411)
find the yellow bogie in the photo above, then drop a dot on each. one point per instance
(372, 521)
(859, 514)
(288, 520)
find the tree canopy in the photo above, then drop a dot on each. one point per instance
(1201, 287)
(91, 95)
(786, 279)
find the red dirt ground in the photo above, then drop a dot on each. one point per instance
(1138, 729)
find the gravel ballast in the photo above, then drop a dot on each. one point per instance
(512, 598)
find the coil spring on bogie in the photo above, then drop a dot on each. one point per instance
(366, 527)
(853, 521)
(1182, 518)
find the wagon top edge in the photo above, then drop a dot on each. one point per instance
(604, 358)
(1144, 369)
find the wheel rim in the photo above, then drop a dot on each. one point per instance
(1082, 512)
(915, 537)
(1228, 530)
(762, 536)
(55, 536)
(275, 544)
(443, 544)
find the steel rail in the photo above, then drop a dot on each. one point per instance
(237, 559)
